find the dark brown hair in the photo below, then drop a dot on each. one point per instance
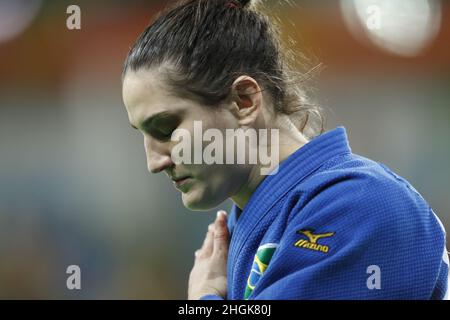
(207, 44)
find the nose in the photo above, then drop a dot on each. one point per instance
(158, 155)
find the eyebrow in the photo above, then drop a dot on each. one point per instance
(149, 120)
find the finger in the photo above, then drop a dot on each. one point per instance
(221, 234)
(207, 247)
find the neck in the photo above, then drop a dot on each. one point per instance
(290, 140)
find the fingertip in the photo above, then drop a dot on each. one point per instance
(221, 214)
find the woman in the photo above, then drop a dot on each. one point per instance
(324, 223)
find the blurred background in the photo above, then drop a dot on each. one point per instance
(74, 188)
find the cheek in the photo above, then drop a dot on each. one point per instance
(224, 181)
(214, 185)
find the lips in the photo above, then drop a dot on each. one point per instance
(180, 181)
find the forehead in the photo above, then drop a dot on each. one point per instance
(144, 94)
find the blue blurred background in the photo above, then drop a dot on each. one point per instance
(74, 188)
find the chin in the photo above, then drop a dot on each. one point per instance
(195, 202)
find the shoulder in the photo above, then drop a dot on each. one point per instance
(355, 191)
(351, 172)
(353, 213)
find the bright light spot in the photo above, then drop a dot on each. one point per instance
(403, 27)
(16, 16)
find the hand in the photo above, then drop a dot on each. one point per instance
(209, 274)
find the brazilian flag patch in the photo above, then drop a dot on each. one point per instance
(260, 263)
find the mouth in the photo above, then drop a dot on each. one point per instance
(179, 182)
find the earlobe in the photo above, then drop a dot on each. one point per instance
(248, 116)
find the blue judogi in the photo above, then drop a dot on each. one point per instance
(334, 225)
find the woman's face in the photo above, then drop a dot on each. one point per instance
(156, 114)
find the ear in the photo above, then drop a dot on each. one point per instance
(246, 100)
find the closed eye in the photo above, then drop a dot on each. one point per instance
(162, 127)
